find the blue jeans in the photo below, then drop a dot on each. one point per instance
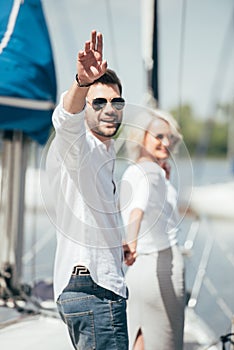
(96, 317)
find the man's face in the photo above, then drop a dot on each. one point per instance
(103, 123)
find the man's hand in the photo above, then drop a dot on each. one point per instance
(129, 254)
(90, 64)
(90, 67)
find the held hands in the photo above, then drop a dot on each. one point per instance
(90, 65)
(129, 254)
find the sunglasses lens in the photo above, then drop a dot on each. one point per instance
(118, 103)
(99, 103)
(160, 136)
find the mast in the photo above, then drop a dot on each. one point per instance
(150, 49)
(154, 78)
(13, 166)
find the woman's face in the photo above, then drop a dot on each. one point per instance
(157, 140)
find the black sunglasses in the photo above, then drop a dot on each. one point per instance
(100, 102)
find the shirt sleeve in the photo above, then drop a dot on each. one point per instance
(134, 191)
(66, 121)
(140, 193)
(70, 132)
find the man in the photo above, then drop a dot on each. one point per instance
(88, 279)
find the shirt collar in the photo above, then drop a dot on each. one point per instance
(110, 149)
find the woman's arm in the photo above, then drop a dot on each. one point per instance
(133, 228)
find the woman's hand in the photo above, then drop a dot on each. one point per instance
(166, 167)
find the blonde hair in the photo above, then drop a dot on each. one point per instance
(135, 129)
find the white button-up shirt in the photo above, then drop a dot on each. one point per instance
(87, 218)
(145, 187)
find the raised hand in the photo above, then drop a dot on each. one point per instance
(90, 64)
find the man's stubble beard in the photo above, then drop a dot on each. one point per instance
(99, 132)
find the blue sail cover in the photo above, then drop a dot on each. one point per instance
(27, 73)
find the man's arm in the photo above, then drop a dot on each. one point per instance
(90, 66)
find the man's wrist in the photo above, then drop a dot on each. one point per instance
(80, 84)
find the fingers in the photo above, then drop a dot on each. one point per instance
(90, 58)
(91, 44)
(103, 66)
(93, 40)
(129, 260)
(95, 43)
(99, 42)
(129, 256)
(87, 46)
(80, 54)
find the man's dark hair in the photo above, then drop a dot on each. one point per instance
(110, 77)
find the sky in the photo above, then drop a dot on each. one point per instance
(203, 80)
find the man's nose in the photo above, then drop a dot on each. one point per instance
(108, 107)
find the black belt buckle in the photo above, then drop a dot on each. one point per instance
(80, 270)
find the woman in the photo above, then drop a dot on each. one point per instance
(150, 215)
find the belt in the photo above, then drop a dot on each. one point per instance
(80, 270)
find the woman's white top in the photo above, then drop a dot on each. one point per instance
(86, 211)
(145, 186)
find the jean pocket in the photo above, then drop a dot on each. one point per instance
(79, 319)
(81, 329)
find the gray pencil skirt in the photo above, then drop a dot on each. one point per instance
(157, 300)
